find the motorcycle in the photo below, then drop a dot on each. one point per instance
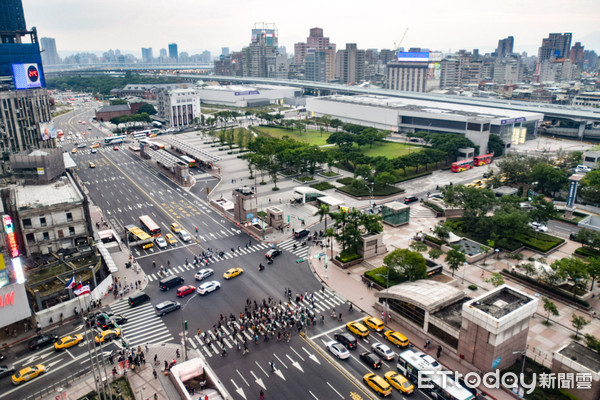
(261, 267)
(270, 261)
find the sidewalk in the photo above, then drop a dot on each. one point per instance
(542, 340)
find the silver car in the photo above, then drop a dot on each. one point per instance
(383, 351)
(185, 236)
(203, 274)
(166, 307)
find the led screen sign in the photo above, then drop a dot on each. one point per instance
(27, 76)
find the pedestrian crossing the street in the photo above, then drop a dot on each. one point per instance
(240, 251)
(143, 325)
(210, 343)
(288, 245)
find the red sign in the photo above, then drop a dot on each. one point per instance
(8, 300)
(12, 243)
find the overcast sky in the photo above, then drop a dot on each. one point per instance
(197, 25)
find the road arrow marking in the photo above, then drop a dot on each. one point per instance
(258, 381)
(299, 356)
(241, 376)
(295, 363)
(239, 390)
(312, 356)
(279, 359)
(280, 374)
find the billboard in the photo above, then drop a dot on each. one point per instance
(14, 305)
(47, 130)
(27, 76)
(413, 56)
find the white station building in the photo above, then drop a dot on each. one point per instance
(249, 96)
(411, 115)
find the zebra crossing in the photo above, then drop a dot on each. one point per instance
(288, 245)
(143, 325)
(216, 258)
(323, 302)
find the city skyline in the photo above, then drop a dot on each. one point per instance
(97, 27)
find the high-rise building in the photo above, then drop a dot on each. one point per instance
(318, 42)
(555, 46)
(507, 70)
(260, 57)
(505, 47)
(147, 55)
(173, 51)
(180, 107)
(225, 51)
(25, 119)
(414, 71)
(577, 53)
(49, 53)
(12, 18)
(314, 65)
(350, 65)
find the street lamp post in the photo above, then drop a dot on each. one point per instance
(463, 274)
(387, 290)
(521, 376)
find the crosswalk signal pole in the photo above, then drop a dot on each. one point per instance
(185, 328)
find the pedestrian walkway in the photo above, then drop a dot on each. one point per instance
(143, 325)
(288, 245)
(234, 334)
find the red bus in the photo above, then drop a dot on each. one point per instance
(483, 160)
(461, 166)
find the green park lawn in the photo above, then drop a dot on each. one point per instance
(389, 149)
(311, 136)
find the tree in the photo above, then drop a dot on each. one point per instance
(364, 171)
(406, 263)
(543, 210)
(418, 246)
(455, 258)
(435, 253)
(593, 270)
(441, 231)
(117, 102)
(550, 308)
(573, 269)
(592, 342)
(147, 108)
(549, 179)
(383, 179)
(323, 212)
(578, 323)
(495, 145)
(496, 279)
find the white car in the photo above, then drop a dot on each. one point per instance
(338, 349)
(208, 287)
(582, 168)
(383, 351)
(185, 236)
(536, 226)
(203, 274)
(432, 361)
(160, 242)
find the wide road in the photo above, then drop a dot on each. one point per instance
(126, 187)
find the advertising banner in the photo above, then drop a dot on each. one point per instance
(47, 130)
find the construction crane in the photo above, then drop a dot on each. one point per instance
(398, 44)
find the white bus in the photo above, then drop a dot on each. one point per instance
(114, 139)
(443, 387)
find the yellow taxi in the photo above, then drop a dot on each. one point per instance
(358, 329)
(175, 227)
(374, 323)
(232, 273)
(396, 338)
(92, 165)
(27, 374)
(95, 145)
(378, 384)
(74, 150)
(399, 382)
(108, 335)
(67, 341)
(170, 238)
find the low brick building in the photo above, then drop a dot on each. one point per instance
(107, 112)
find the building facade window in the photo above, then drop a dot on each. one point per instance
(46, 236)
(30, 238)
(27, 223)
(69, 217)
(71, 230)
(43, 221)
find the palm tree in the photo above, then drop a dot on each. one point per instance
(323, 212)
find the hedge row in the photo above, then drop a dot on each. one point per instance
(554, 290)
(345, 257)
(587, 251)
(379, 276)
(389, 190)
(541, 242)
(415, 176)
(322, 186)
(434, 206)
(347, 180)
(435, 240)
